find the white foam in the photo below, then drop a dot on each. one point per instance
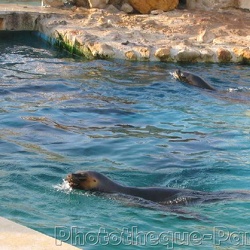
(172, 74)
(64, 186)
(239, 89)
(231, 90)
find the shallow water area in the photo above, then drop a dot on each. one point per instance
(133, 122)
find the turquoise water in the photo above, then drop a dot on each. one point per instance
(139, 126)
(23, 2)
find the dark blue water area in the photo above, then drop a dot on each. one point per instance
(133, 122)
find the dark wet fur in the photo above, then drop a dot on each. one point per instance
(157, 198)
(192, 79)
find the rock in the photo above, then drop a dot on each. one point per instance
(224, 55)
(116, 3)
(146, 6)
(156, 12)
(101, 50)
(244, 4)
(188, 55)
(83, 42)
(243, 55)
(219, 41)
(112, 9)
(163, 54)
(99, 4)
(127, 8)
(176, 36)
(209, 4)
(131, 55)
(144, 53)
(105, 23)
(205, 37)
(246, 56)
(207, 55)
(82, 3)
(73, 8)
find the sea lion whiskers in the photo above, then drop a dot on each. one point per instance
(82, 180)
(177, 74)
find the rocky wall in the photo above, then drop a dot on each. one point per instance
(178, 36)
(175, 36)
(18, 21)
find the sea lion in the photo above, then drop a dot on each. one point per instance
(97, 182)
(192, 79)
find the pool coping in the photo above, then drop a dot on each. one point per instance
(15, 236)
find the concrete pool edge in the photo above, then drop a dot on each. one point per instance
(100, 34)
(15, 236)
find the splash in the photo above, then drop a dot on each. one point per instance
(64, 186)
(239, 89)
(172, 74)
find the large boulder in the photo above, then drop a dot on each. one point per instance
(146, 6)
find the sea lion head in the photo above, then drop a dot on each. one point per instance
(90, 180)
(181, 76)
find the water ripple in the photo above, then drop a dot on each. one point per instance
(130, 120)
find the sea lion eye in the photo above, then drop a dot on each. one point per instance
(94, 180)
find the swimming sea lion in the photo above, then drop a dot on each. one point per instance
(192, 79)
(94, 181)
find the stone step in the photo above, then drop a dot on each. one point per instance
(14, 236)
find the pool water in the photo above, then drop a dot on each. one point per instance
(136, 124)
(23, 2)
